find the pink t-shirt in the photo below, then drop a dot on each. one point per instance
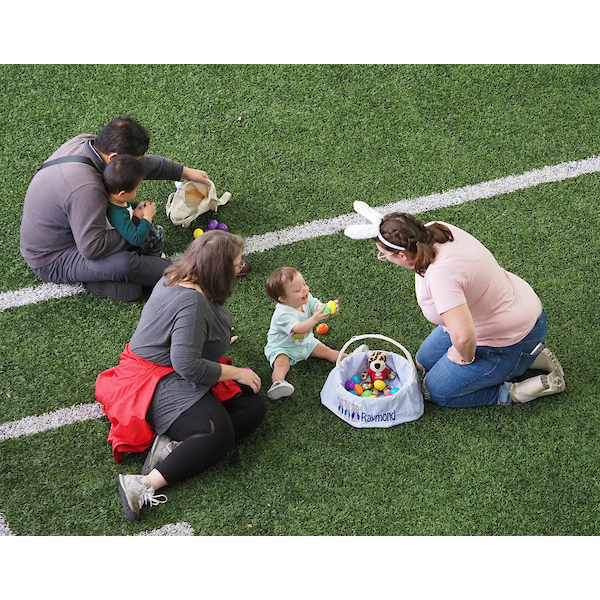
(503, 306)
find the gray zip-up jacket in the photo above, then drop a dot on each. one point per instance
(65, 205)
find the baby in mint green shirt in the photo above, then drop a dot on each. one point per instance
(290, 338)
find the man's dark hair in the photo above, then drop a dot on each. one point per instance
(123, 173)
(123, 135)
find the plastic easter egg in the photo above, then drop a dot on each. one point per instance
(222, 227)
(198, 232)
(213, 224)
(359, 389)
(355, 378)
(366, 394)
(367, 385)
(379, 385)
(326, 310)
(349, 385)
(353, 392)
(394, 390)
(331, 306)
(322, 328)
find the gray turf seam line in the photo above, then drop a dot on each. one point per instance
(322, 227)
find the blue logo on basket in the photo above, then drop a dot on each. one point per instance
(348, 410)
(351, 412)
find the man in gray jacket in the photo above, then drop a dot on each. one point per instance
(63, 231)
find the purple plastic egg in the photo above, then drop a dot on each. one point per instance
(223, 227)
(213, 224)
(349, 385)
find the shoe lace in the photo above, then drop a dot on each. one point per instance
(148, 496)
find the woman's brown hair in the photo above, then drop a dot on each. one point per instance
(209, 262)
(403, 229)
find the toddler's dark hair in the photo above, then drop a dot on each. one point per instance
(123, 173)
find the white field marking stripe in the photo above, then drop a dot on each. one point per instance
(46, 291)
(182, 528)
(53, 420)
(4, 528)
(487, 189)
(171, 529)
(318, 228)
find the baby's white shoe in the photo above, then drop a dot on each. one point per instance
(280, 389)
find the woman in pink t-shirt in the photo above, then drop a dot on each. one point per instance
(491, 325)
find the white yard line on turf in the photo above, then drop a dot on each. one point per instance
(46, 291)
(53, 420)
(171, 529)
(487, 189)
(273, 239)
(4, 528)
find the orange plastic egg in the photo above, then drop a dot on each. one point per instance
(322, 328)
(359, 389)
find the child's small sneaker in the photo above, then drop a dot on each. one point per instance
(280, 389)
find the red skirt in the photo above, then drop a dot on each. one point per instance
(125, 392)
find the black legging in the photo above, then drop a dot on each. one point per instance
(208, 430)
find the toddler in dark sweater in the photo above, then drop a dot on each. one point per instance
(123, 177)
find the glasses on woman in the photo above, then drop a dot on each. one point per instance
(239, 266)
(382, 256)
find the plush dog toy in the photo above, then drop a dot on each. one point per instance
(378, 371)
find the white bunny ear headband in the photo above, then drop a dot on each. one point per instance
(368, 230)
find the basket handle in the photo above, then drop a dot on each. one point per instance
(380, 337)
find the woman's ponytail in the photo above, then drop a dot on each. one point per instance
(403, 229)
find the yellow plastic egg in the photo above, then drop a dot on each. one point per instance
(198, 232)
(379, 385)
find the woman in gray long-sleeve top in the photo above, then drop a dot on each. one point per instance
(185, 325)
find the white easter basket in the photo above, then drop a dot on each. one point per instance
(382, 411)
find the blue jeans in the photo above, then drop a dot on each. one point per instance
(484, 381)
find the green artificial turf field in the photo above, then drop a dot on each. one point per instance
(295, 144)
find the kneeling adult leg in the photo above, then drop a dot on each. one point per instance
(433, 348)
